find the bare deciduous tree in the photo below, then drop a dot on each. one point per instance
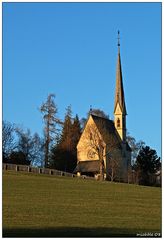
(114, 165)
(135, 146)
(31, 146)
(49, 111)
(8, 144)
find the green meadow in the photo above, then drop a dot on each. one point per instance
(55, 206)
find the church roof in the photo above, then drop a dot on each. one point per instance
(88, 166)
(107, 130)
(119, 92)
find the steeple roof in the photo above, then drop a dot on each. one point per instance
(119, 92)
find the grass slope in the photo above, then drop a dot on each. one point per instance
(49, 206)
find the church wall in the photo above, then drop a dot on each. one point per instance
(84, 149)
(85, 152)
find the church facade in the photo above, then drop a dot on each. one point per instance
(103, 146)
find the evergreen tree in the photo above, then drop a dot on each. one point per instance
(18, 157)
(75, 136)
(64, 154)
(76, 130)
(67, 130)
(147, 164)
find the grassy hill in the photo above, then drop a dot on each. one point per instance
(49, 206)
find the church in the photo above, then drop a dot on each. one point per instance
(102, 147)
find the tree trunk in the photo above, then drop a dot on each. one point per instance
(101, 164)
(112, 175)
(46, 154)
(47, 144)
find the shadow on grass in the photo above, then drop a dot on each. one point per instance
(77, 232)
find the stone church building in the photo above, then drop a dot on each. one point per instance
(105, 139)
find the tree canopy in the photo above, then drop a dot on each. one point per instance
(8, 143)
(147, 164)
(64, 153)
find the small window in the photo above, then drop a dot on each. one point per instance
(91, 137)
(118, 122)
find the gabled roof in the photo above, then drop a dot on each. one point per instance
(107, 130)
(88, 166)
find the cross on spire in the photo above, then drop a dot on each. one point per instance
(90, 109)
(118, 39)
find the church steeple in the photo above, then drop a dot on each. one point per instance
(119, 104)
(119, 92)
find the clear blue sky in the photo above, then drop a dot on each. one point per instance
(70, 49)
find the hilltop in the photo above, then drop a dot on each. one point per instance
(50, 206)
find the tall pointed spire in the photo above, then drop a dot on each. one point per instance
(119, 92)
(119, 104)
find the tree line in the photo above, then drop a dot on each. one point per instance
(57, 148)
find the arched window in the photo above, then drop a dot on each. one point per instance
(91, 137)
(118, 122)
